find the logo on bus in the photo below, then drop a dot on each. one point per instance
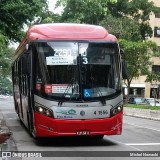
(66, 112)
(82, 113)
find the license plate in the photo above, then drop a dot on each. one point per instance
(80, 133)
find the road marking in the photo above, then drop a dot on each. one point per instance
(142, 144)
(118, 142)
(143, 127)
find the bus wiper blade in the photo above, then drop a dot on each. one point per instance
(66, 91)
(102, 98)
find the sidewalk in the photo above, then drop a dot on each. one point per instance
(142, 113)
(3, 146)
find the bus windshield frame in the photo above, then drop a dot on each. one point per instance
(77, 70)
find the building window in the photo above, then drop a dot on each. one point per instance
(156, 68)
(156, 31)
(157, 13)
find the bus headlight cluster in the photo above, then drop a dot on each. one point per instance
(43, 110)
(116, 110)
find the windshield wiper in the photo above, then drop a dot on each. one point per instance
(102, 98)
(66, 91)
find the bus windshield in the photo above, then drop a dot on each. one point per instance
(76, 70)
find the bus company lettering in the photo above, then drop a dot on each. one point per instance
(82, 105)
(65, 117)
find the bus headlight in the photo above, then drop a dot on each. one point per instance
(116, 110)
(43, 110)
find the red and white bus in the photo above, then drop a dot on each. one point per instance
(67, 81)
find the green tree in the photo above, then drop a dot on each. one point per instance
(3, 41)
(93, 12)
(84, 11)
(5, 85)
(138, 56)
(14, 14)
(48, 17)
(6, 54)
(123, 27)
(139, 10)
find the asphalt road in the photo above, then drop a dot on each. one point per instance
(139, 136)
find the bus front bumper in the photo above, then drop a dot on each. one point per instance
(49, 127)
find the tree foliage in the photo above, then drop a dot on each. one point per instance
(139, 10)
(6, 55)
(5, 85)
(3, 41)
(93, 12)
(14, 14)
(84, 11)
(123, 27)
(138, 56)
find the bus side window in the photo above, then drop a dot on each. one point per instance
(25, 61)
(29, 64)
(26, 68)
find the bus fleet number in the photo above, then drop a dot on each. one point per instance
(101, 112)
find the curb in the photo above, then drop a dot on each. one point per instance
(8, 145)
(1, 117)
(2, 122)
(142, 113)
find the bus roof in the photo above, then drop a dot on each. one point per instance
(64, 31)
(67, 31)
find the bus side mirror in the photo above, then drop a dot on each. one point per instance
(124, 70)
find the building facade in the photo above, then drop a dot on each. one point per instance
(138, 86)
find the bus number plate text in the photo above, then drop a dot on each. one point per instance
(80, 133)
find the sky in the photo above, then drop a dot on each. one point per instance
(52, 5)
